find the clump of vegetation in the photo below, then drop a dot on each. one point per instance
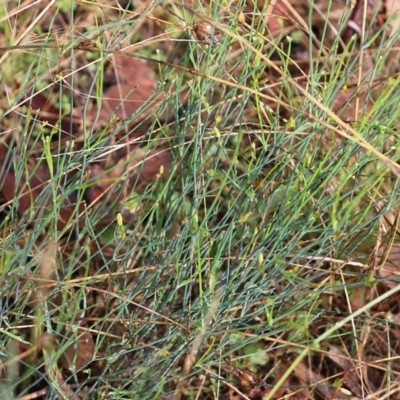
(199, 201)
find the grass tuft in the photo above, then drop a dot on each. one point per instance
(198, 201)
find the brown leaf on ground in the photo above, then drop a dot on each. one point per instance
(393, 7)
(393, 11)
(133, 88)
(275, 16)
(345, 103)
(361, 296)
(351, 379)
(391, 268)
(103, 181)
(317, 381)
(47, 112)
(149, 166)
(80, 353)
(143, 168)
(29, 188)
(133, 71)
(123, 100)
